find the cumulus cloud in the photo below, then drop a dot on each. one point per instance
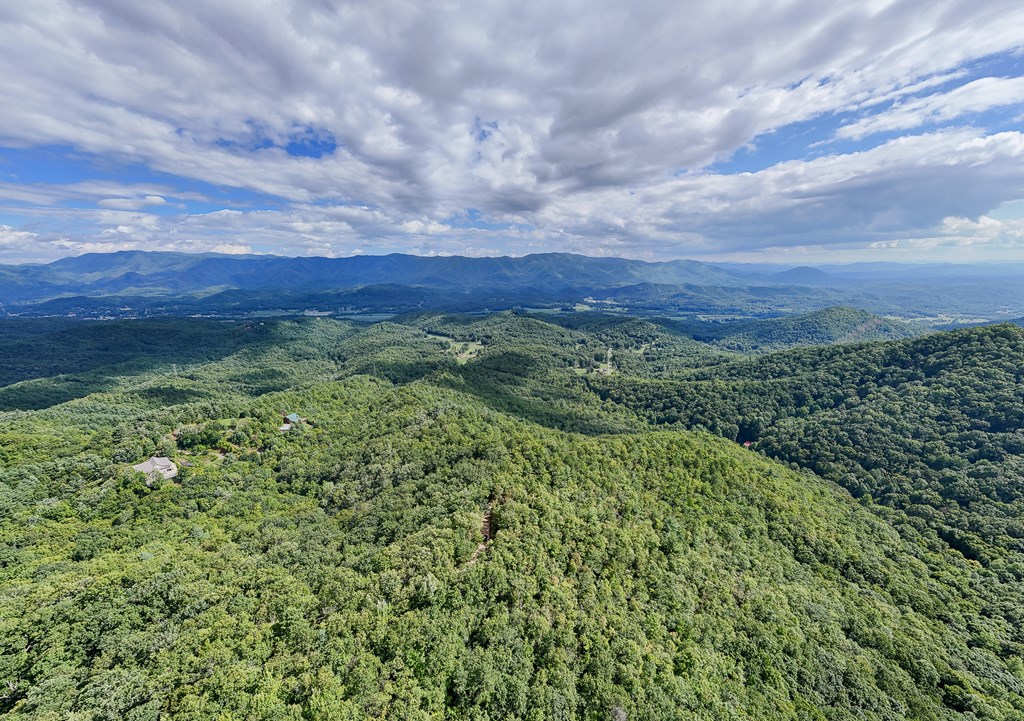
(10, 237)
(984, 230)
(585, 126)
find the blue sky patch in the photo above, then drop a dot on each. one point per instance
(311, 143)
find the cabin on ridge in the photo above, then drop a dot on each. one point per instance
(290, 421)
(157, 467)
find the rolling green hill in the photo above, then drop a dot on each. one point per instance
(932, 426)
(838, 324)
(486, 518)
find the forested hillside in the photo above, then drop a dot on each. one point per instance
(825, 327)
(932, 426)
(502, 517)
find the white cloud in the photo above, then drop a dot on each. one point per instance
(131, 203)
(586, 126)
(974, 97)
(232, 249)
(984, 230)
(118, 196)
(11, 237)
(887, 197)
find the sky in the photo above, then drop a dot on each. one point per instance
(804, 131)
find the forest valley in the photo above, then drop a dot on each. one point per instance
(511, 516)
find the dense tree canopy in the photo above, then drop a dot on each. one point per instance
(504, 518)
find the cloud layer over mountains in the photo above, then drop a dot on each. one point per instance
(749, 130)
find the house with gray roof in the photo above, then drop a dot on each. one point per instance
(157, 467)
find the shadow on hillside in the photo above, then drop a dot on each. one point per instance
(394, 371)
(521, 385)
(40, 393)
(263, 380)
(40, 369)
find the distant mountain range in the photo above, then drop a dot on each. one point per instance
(178, 283)
(137, 272)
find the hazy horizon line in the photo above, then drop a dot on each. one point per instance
(508, 256)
